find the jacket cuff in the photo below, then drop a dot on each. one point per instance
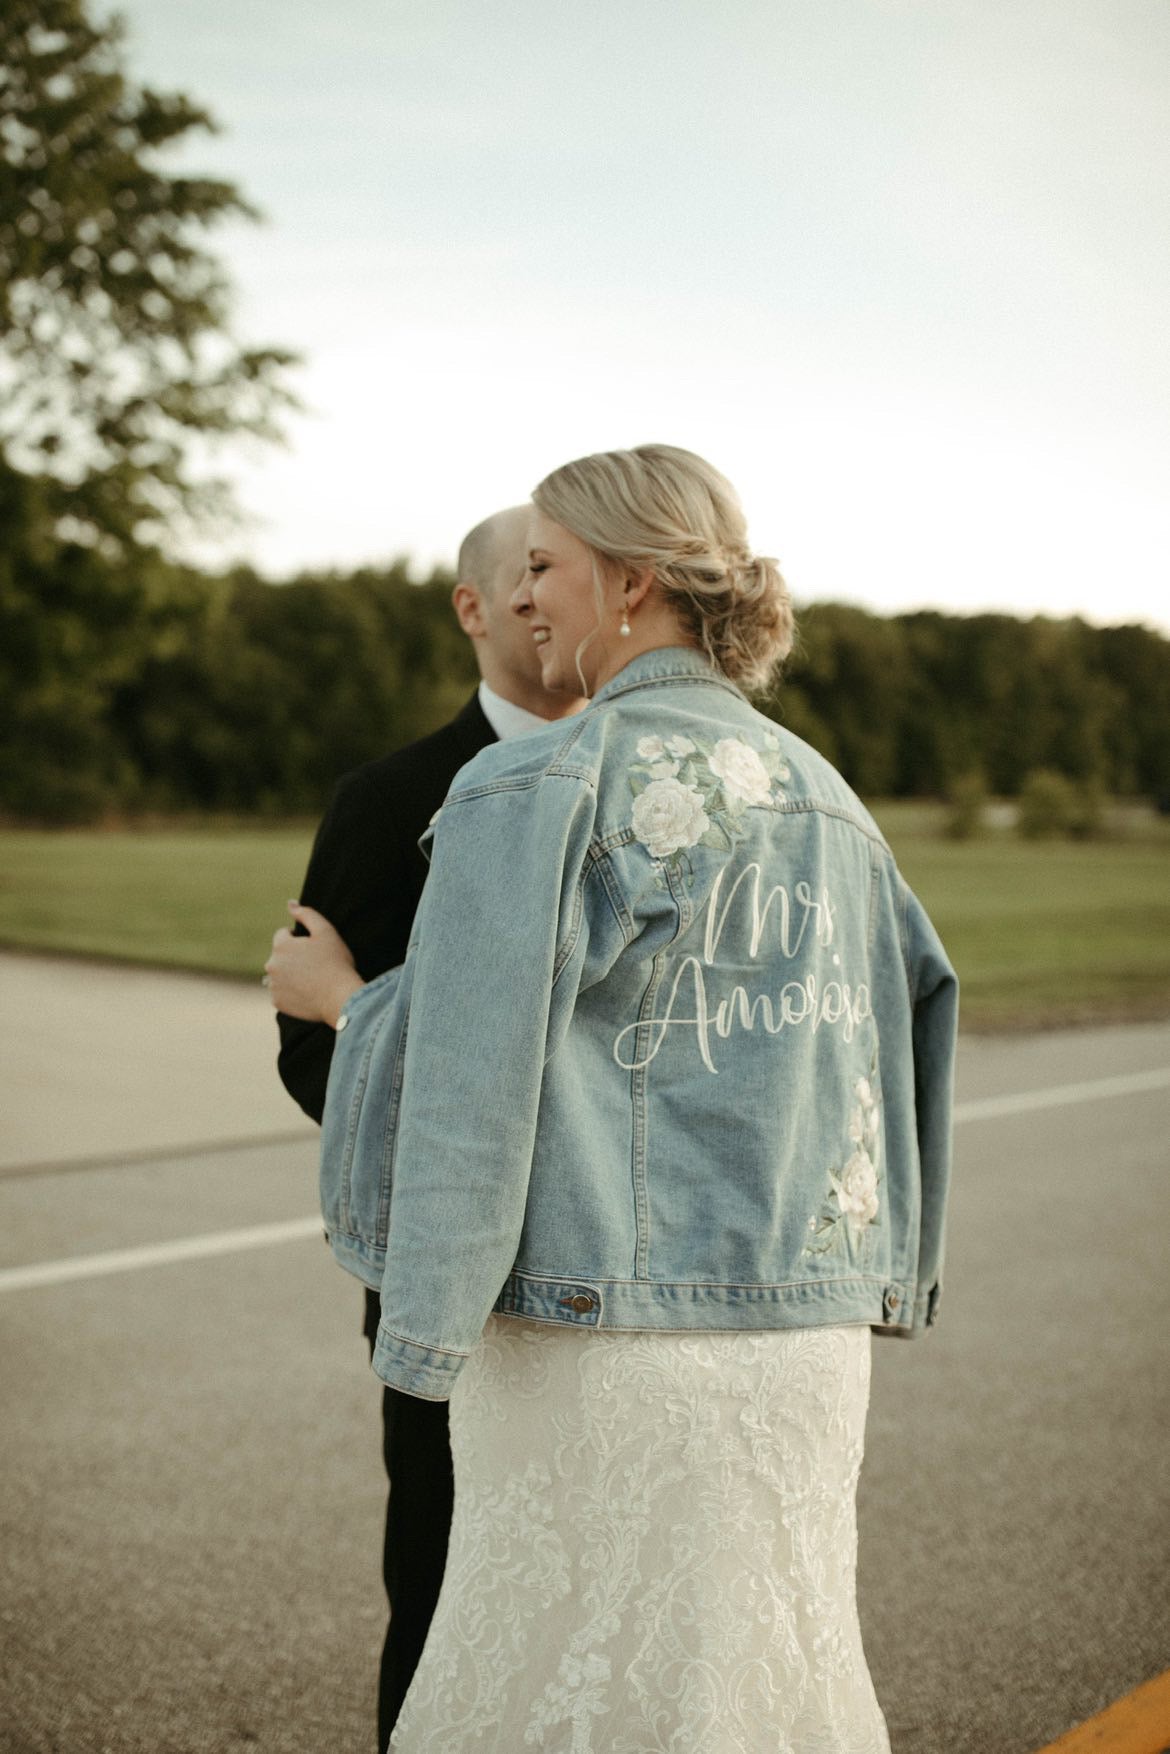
(361, 996)
(923, 1316)
(425, 1371)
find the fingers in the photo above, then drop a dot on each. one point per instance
(309, 918)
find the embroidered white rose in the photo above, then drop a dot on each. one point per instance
(854, 1201)
(743, 774)
(669, 816)
(857, 1190)
(687, 792)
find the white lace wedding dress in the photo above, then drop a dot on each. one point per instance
(653, 1548)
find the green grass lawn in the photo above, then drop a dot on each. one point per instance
(1046, 932)
(202, 898)
(1041, 932)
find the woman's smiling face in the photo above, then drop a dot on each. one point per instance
(558, 597)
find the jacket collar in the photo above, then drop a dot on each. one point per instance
(664, 664)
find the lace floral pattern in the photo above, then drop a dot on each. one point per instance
(653, 1549)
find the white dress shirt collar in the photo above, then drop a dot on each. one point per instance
(505, 718)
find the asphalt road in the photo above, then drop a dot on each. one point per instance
(191, 1505)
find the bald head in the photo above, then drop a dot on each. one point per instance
(491, 557)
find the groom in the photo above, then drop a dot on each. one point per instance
(366, 876)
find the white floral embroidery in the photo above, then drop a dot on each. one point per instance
(669, 816)
(856, 1190)
(743, 773)
(710, 789)
(854, 1202)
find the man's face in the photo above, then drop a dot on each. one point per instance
(506, 631)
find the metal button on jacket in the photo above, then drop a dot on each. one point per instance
(581, 1303)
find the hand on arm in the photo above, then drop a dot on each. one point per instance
(312, 976)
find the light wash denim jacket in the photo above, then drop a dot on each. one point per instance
(672, 1046)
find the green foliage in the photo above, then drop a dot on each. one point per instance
(848, 667)
(270, 692)
(115, 339)
(1051, 804)
(144, 686)
(906, 705)
(966, 801)
(132, 684)
(69, 631)
(1048, 805)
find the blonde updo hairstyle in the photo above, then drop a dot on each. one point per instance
(666, 508)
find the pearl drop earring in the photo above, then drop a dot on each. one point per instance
(624, 629)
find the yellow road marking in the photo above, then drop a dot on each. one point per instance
(1139, 1723)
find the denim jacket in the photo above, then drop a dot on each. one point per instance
(672, 1045)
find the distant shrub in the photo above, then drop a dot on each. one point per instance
(1048, 805)
(966, 801)
(1051, 805)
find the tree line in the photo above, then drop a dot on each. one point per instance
(130, 684)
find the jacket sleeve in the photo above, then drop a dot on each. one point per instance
(935, 997)
(492, 977)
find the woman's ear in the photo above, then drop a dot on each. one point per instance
(637, 585)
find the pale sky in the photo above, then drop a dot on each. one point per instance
(900, 268)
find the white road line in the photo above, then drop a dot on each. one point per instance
(227, 1242)
(990, 1108)
(188, 1248)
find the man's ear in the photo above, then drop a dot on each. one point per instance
(468, 610)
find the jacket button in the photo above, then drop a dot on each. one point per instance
(581, 1303)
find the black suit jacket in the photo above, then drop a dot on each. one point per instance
(366, 873)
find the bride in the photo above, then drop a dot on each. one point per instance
(645, 1138)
